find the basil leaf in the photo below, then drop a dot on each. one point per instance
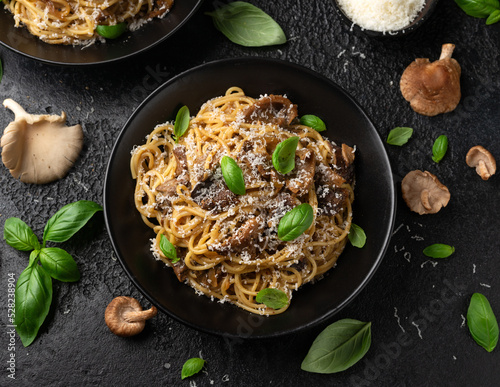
(33, 297)
(357, 236)
(233, 176)
(340, 345)
(181, 122)
(439, 148)
(493, 18)
(478, 8)
(112, 32)
(399, 136)
(68, 220)
(313, 122)
(295, 222)
(59, 264)
(191, 367)
(439, 250)
(273, 298)
(19, 235)
(482, 322)
(247, 25)
(168, 249)
(284, 155)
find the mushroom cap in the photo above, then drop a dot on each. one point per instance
(432, 88)
(424, 193)
(481, 159)
(124, 316)
(39, 148)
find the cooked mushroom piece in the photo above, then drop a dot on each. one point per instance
(273, 109)
(424, 193)
(433, 88)
(124, 316)
(481, 159)
(39, 148)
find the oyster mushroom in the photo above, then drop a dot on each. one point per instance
(39, 148)
(481, 159)
(432, 88)
(424, 193)
(124, 316)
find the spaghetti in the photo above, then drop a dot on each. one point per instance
(228, 243)
(75, 21)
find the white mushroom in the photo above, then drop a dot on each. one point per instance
(480, 158)
(39, 148)
(424, 193)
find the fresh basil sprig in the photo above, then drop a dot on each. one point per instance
(295, 222)
(482, 322)
(272, 297)
(439, 250)
(34, 286)
(439, 148)
(233, 175)
(357, 236)
(111, 32)
(489, 9)
(247, 25)
(168, 249)
(399, 136)
(181, 122)
(191, 367)
(313, 122)
(284, 155)
(338, 347)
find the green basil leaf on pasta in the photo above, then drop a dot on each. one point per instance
(439, 250)
(19, 235)
(399, 136)
(357, 236)
(181, 124)
(233, 175)
(478, 8)
(313, 122)
(59, 264)
(284, 155)
(111, 32)
(168, 249)
(493, 18)
(191, 367)
(482, 322)
(246, 25)
(273, 298)
(295, 222)
(338, 347)
(439, 148)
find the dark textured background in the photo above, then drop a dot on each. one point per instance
(415, 304)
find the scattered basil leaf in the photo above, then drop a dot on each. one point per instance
(284, 155)
(439, 148)
(33, 298)
(439, 250)
(181, 122)
(111, 32)
(273, 298)
(192, 366)
(19, 235)
(399, 136)
(295, 222)
(338, 347)
(357, 236)
(59, 264)
(313, 122)
(247, 25)
(482, 322)
(233, 175)
(493, 18)
(168, 249)
(478, 8)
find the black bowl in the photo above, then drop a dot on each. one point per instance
(130, 43)
(374, 206)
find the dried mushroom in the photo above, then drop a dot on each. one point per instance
(432, 88)
(481, 159)
(124, 316)
(39, 148)
(424, 193)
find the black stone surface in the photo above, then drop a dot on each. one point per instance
(416, 304)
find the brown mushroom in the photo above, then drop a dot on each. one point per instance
(273, 109)
(39, 148)
(433, 88)
(481, 159)
(124, 316)
(424, 193)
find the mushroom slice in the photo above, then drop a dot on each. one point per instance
(481, 159)
(272, 109)
(39, 148)
(424, 193)
(124, 316)
(433, 88)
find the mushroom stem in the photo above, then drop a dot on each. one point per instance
(132, 316)
(424, 198)
(447, 50)
(15, 107)
(482, 170)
